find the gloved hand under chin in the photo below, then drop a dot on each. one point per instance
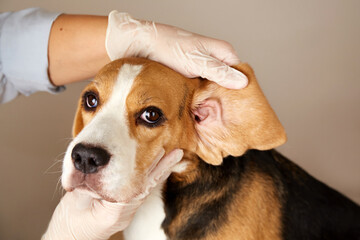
(190, 54)
(80, 216)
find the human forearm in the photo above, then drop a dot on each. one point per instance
(76, 48)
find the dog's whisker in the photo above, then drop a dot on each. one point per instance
(62, 191)
(66, 140)
(60, 155)
(59, 159)
(47, 171)
(55, 172)
(56, 188)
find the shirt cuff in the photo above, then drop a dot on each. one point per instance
(24, 50)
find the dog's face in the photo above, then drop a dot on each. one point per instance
(136, 110)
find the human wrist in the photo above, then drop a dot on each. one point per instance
(129, 37)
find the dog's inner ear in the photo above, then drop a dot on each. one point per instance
(208, 112)
(208, 123)
(229, 122)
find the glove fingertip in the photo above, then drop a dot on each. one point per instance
(178, 155)
(235, 84)
(232, 80)
(232, 60)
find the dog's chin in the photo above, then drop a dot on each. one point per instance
(85, 189)
(93, 187)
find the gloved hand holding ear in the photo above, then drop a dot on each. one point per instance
(188, 53)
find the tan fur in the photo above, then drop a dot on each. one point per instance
(255, 215)
(117, 236)
(102, 85)
(161, 87)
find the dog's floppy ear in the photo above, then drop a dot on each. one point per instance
(78, 124)
(229, 122)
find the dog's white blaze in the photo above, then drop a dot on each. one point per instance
(148, 218)
(109, 129)
(123, 148)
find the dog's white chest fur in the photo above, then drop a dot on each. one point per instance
(147, 220)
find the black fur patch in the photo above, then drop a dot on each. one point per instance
(310, 209)
(183, 102)
(209, 215)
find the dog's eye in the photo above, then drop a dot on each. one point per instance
(90, 101)
(151, 117)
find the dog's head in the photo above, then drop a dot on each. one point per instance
(137, 109)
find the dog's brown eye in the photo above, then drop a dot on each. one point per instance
(90, 101)
(150, 117)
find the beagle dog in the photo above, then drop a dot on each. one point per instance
(230, 184)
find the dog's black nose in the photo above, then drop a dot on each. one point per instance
(88, 159)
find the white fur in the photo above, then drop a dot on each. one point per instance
(109, 129)
(148, 218)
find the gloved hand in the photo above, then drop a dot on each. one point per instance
(190, 54)
(81, 217)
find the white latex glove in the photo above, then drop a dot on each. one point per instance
(188, 53)
(81, 217)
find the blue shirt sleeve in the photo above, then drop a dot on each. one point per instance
(24, 37)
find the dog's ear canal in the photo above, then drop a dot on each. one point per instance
(229, 122)
(78, 124)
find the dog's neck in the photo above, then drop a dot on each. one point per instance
(196, 200)
(211, 202)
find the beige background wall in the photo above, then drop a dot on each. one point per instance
(306, 55)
